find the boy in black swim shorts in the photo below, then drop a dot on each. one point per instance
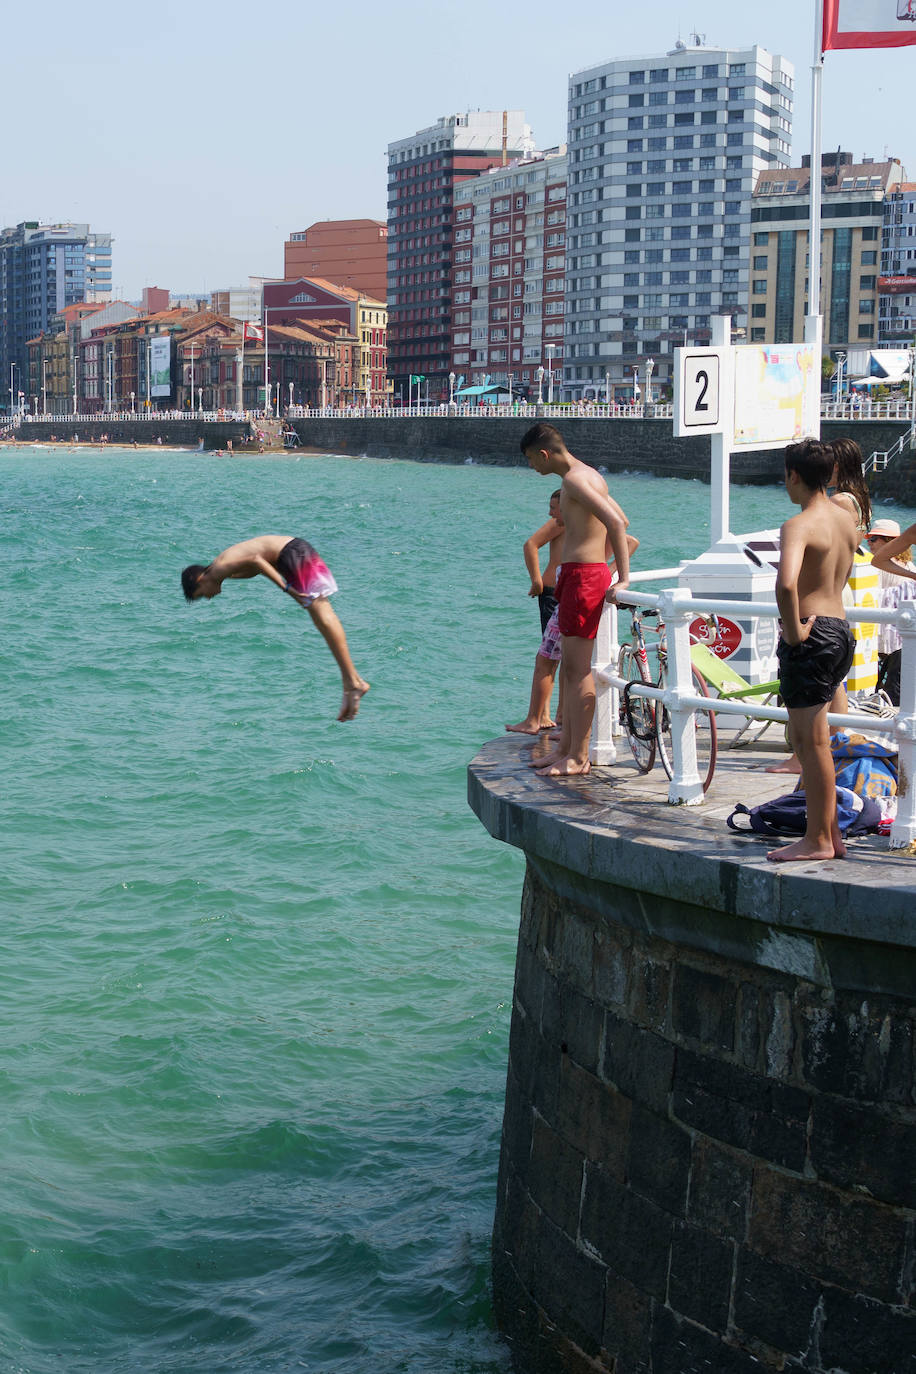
(816, 549)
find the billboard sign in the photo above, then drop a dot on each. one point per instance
(777, 394)
(160, 364)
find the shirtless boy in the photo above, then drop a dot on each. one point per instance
(295, 567)
(590, 517)
(543, 586)
(816, 645)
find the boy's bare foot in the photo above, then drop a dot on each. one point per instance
(525, 727)
(556, 732)
(545, 760)
(351, 698)
(802, 849)
(565, 768)
(791, 765)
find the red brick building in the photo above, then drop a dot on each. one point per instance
(350, 252)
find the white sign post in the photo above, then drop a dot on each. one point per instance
(753, 396)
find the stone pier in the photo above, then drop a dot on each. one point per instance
(708, 1156)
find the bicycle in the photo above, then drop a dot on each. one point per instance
(646, 721)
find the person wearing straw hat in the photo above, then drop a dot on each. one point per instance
(893, 587)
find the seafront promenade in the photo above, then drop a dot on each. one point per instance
(632, 439)
(710, 1112)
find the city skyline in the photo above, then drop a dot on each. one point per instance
(237, 140)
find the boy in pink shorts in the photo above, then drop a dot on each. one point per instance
(591, 519)
(297, 569)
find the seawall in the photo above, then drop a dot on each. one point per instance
(618, 445)
(707, 1161)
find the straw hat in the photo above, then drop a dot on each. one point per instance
(889, 528)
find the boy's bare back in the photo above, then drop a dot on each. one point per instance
(586, 535)
(817, 550)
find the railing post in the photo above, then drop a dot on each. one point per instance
(903, 830)
(602, 749)
(685, 788)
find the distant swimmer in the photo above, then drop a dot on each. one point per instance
(295, 567)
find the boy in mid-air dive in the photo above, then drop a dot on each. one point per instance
(590, 517)
(295, 567)
(816, 645)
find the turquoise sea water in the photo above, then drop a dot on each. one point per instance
(257, 965)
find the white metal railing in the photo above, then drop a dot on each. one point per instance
(879, 460)
(678, 607)
(580, 410)
(865, 409)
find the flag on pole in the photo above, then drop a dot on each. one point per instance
(252, 331)
(869, 23)
(415, 381)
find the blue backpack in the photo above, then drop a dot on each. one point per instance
(788, 815)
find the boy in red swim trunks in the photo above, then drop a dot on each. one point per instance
(295, 567)
(591, 519)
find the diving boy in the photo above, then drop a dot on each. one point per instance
(295, 567)
(590, 518)
(816, 645)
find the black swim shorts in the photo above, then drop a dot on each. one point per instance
(547, 604)
(810, 672)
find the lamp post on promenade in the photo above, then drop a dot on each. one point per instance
(550, 349)
(132, 408)
(451, 388)
(540, 386)
(291, 395)
(200, 399)
(44, 386)
(650, 368)
(109, 361)
(239, 392)
(74, 375)
(607, 388)
(12, 386)
(635, 383)
(192, 347)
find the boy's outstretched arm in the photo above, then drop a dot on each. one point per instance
(886, 557)
(543, 536)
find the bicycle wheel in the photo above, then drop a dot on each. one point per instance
(704, 723)
(637, 714)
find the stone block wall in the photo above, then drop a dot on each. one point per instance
(708, 1162)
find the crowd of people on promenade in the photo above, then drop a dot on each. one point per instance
(588, 552)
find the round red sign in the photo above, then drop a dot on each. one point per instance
(724, 642)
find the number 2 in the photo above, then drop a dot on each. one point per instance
(702, 377)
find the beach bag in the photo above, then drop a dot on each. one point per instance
(788, 815)
(867, 766)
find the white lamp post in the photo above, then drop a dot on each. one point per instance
(132, 395)
(291, 395)
(540, 386)
(451, 388)
(109, 358)
(550, 349)
(635, 383)
(607, 388)
(511, 377)
(12, 386)
(200, 399)
(650, 368)
(44, 386)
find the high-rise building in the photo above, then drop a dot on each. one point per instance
(351, 252)
(852, 216)
(897, 283)
(508, 276)
(43, 269)
(664, 153)
(423, 171)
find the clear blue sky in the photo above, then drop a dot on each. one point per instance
(200, 134)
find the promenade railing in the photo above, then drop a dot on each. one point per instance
(679, 607)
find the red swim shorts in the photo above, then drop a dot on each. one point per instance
(580, 598)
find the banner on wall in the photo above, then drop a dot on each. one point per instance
(869, 23)
(160, 365)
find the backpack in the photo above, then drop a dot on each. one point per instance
(788, 815)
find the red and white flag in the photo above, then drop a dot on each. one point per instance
(252, 331)
(869, 23)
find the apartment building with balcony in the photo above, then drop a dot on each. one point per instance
(664, 154)
(897, 282)
(853, 199)
(424, 170)
(508, 274)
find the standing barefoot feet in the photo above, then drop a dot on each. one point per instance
(527, 727)
(803, 849)
(351, 698)
(564, 767)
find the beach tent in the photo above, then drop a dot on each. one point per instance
(478, 391)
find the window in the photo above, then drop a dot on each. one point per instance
(866, 331)
(658, 97)
(685, 73)
(707, 95)
(710, 71)
(683, 97)
(760, 262)
(758, 312)
(634, 101)
(657, 121)
(869, 233)
(658, 74)
(635, 122)
(758, 335)
(869, 259)
(760, 286)
(866, 307)
(761, 240)
(681, 188)
(866, 283)
(683, 119)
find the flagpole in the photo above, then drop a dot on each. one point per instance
(240, 390)
(814, 329)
